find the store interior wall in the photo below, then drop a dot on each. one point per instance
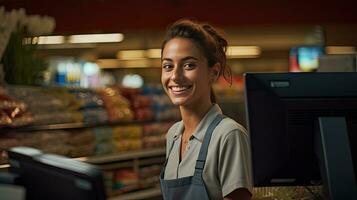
(274, 26)
(112, 15)
(275, 42)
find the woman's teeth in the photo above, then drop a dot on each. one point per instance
(179, 88)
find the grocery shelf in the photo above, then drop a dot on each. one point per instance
(117, 165)
(76, 125)
(102, 159)
(142, 194)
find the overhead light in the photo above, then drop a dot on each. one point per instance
(75, 39)
(4, 166)
(96, 38)
(55, 39)
(153, 53)
(134, 63)
(243, 51)
(131, 54)
(27, 40)
(138, 54)
(107, 63)
(340, 50)
(133, 81)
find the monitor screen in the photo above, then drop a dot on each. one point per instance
(282, 114)
(48, 176)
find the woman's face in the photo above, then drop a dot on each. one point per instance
(185, 75)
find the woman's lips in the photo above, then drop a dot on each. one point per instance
(179, 89)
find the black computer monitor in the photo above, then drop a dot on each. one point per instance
(303, 129)
(48, 176)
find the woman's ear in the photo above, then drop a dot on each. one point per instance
(215, 69)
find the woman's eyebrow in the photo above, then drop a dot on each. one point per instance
(183, 59)
(167, 59)
(189, 57)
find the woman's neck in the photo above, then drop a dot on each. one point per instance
(191, 116)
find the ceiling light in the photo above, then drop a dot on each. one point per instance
(243, 51)
(4, 166)
(107, 63)
(96, 38)
(55, 39)
(133, 81)
(340, 50)
(131, 54)
(153, 53)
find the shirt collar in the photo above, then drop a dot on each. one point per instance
(200, 131)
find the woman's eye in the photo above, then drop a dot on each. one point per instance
(189, 65)
(166, 66)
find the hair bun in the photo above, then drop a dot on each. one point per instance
(217, 36)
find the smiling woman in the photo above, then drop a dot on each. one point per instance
(207, 154)
(185, 75)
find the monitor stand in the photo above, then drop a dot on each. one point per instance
(332, 147)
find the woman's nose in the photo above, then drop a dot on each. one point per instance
(177, 74)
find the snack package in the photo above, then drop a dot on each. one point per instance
(87, 98)
(95, 115)
(103, 134)
(13, 112)
(106, 147)
(81, 137)
(117, 106)
(82, 150)
(128, 145)
(127, 132)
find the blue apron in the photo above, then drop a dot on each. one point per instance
(191, 187)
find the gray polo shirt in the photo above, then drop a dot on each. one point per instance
(228, 163)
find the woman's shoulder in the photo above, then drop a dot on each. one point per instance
(229, 125)
(173, 129)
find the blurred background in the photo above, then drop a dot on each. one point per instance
(93, 45)
(263, 33)
(264, 36)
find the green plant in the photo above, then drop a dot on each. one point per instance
(21, 66)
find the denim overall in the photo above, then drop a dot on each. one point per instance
(191, 187)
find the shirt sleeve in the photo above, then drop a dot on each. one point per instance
(235, 169)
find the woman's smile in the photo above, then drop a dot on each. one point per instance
(180, 90)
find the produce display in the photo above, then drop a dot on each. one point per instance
(91, 105)
(31, 106)
(13, 112)
(161, 105)
(48, 105)
(113, 120)
(119, 181)
(28, 105)
(71, 143)
(116, 105)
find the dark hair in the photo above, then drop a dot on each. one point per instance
(207, 39)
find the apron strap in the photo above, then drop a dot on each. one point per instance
(201, 160)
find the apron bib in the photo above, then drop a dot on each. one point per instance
(191, 187)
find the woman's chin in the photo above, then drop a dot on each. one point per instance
(179, 101)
